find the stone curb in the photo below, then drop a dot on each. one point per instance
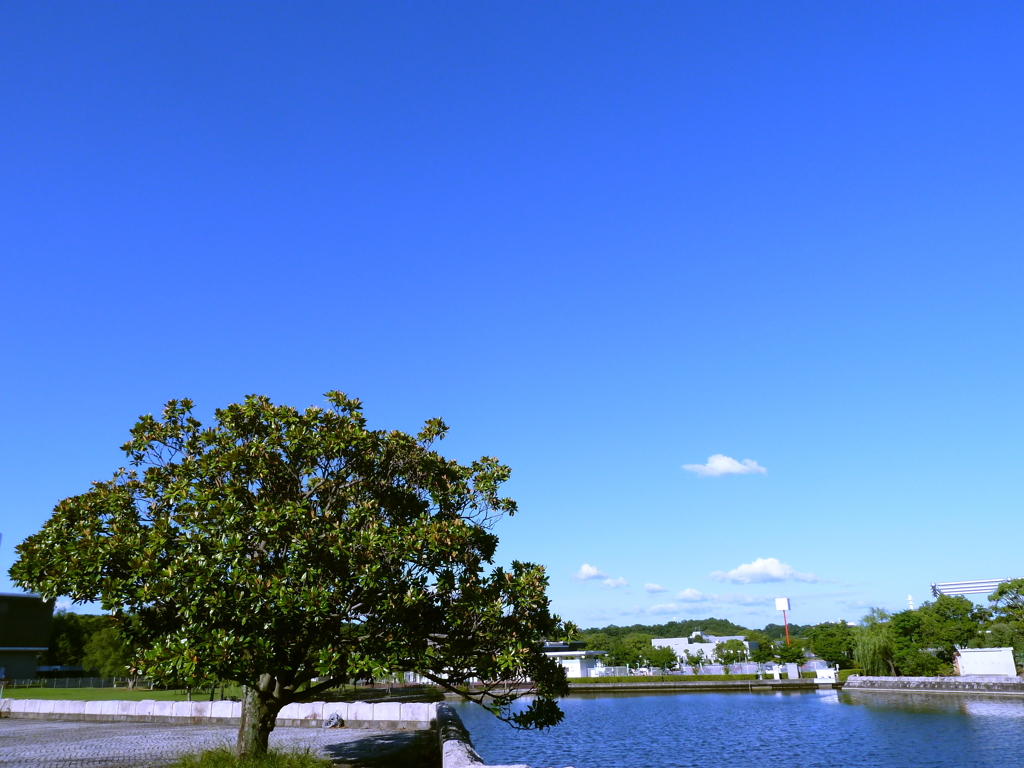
(453, 739)
(456, 747)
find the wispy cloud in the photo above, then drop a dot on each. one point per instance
(692, 596)
(615, 583)
(588, 571)
(719, 465)
(762, 570)
(652, 588)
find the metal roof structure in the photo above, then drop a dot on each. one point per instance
(986, 587)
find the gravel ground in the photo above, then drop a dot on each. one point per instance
(63, 744)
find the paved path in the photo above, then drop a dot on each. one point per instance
(63, 744)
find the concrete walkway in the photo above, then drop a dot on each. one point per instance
(63, 744)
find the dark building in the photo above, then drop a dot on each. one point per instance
(24, 633)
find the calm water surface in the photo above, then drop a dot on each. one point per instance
(803, 730)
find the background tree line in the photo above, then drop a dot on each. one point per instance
(88, 641)
(632, 646)
(914, 643)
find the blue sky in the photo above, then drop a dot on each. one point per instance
(602, 241)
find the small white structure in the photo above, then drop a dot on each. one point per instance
(985, 661)
(573, 659)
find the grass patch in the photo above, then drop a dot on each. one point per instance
(845, 673)
(98, 694)
(226, 758)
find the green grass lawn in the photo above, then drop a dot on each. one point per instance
(343, 693)
(106, 694)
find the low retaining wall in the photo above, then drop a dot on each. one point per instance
(990, 684)
(391, 715)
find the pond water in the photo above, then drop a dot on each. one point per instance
(806, 730)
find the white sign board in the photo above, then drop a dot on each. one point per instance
(781, 603)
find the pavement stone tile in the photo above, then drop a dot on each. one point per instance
(71, 744)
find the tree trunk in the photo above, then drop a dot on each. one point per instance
(259, 713)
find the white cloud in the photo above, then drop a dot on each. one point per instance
(652, 588)
(719, 465)
(763, 569)
(615, 583)
(588, 571)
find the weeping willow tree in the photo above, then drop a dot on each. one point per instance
(873, 647)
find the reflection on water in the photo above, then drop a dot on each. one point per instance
(809, 730)
(907, 701)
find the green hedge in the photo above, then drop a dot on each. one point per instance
(845, 673)
(659, 678)
(682, 678)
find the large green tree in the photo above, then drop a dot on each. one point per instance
(950, 623)
(107, 653)
(1008, 600)
(293, 550)
(630, 650)
(762, 647)
(1007, 627)
(730, 652)
(660, 657)
(792, 653)
(69, 634)
(833, 643)
(911, 651)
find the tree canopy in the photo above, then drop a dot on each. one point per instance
(1008, 600)
(291, 551)
(833, 642)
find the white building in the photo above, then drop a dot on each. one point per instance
(985, 661)
(576, 661)
(682, 645)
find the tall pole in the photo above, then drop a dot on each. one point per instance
(785, 623)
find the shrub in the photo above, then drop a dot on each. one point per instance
(845, 673)
(225, 757)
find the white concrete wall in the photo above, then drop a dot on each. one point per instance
(986, 661)
(309, 712)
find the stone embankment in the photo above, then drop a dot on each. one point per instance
(988, 684)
